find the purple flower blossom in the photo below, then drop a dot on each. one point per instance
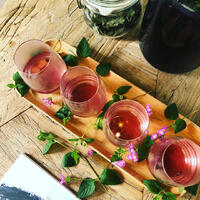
(48, 101)
(62, 179)
(162, 131)
(133, 157)
(154, 136)
(120, 163)
(133, 153)
(148, 109)
(90, 151)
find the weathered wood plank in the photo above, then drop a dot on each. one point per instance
(183, 89)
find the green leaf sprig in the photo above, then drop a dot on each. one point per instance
(83, 49)
(118, 154)
(64, 113)
(117, 96)
(192, 189)
(103, 69)
(20, 85)
(83, 141)
(143, 148)
(156, 188)
(71, 159)
(172, 113)
(70, 60)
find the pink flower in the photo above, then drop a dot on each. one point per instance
(148, 109)
(133, 157)
(154, 136)
(90, 151)
(48, 101)
(62, 179)
(133, 154)
(162, 131)
(120, 163)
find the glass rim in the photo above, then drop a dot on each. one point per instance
(27, 41)
(163, 155)
(76, 68)
(108, 126)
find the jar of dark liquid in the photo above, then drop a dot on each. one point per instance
(170, 35)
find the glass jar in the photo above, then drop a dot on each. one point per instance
(113, 18)
(170, 35)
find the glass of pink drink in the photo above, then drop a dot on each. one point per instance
(83, 91)
(126, 122)
(39, 66)
(175, 161)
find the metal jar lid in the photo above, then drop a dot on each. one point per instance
(106, 7)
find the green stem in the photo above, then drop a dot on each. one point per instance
(83, 157)
(86, 130)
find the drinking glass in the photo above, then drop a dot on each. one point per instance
(175, 161)
(126, 122)
(83, 91)
(39, 66)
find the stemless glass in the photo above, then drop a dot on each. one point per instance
(175, 161)
(126, 122)
(83, 91)
(39, 66)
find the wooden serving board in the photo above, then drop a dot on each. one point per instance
(135, 172)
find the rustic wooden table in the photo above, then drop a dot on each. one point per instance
(20, 123)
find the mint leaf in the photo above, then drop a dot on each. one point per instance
(181, 189)
(70, 60)
(86, 188)
(89, 140)
(48, 146)
(20, 85)
(115, 157)
(110, 177)
(67, 179)
(171, 112)
(74, 139)
(156, 198)
(75, 155)
(123, 89)
(179, 125)
(99, 121)
(143, 148)
(103, 69)
(22, 88)
(10, 85)
(168, 196)
(83, 49)
(107, 105)
(122, 151)
(192, 189)
(46, 136)
(68, 160)
(153, 186)
(64, 113)
(17, 77)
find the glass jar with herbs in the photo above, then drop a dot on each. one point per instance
(113, 18)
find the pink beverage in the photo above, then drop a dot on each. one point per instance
(83, 92)
(175, 161)
(126, 122)
(39, 65)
